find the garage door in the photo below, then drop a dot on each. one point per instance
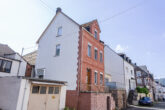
(44, 97)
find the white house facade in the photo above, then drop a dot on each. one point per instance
(58, 50)
(130, 82)
(114, 65)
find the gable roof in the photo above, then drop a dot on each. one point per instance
(53, 20)
(89, 23)
(5, 49)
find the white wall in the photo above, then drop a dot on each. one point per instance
(62, 97)
(9, 92)
(23, 64)
(114, 65)
(127, 69)
(63, 67)
(24, 92)
(14, 68)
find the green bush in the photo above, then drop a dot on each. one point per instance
(142, 90)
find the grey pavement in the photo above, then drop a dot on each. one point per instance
(157, 106)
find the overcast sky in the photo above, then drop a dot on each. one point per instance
(136, 27)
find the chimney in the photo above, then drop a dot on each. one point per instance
(58, 10)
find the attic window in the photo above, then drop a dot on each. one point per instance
(87, 28)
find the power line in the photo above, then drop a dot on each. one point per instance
(47, 6)
(124, 11)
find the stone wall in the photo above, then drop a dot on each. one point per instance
(89, 101)
(120, 98)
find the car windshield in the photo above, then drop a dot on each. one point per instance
(147, 98)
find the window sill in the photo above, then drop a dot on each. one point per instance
(58, 35)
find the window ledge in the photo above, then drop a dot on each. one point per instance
(58, 35)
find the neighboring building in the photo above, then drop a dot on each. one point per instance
(11, 63)
(22, 93)
(144, 79)
(161, 81)
(74, 53)
(130, 83)
(159, 91)
(31, 59)
(114, 66)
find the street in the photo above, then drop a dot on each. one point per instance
(157, 106)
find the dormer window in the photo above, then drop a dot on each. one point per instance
(95, 34)
(59, 33)
(87, 28)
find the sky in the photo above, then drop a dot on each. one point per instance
(135, 27)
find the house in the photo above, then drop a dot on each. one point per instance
(31, 59)
(114, 66)
(74, 53)
(144, 79)
(24, 93)
(129, 75)
(11, 63)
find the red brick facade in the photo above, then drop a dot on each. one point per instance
(89, 63)
(90, 94)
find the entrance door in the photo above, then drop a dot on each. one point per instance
(88, 79)
(44, 97)
(108, 103)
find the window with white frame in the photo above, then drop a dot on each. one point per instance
(96, 53)
(58, 50)
(101, 56)
(139, 81)
(5, 66)
(95, 34)
(101, 78)
(89, 50)
(138, 73)
(59, 32)
(96, 77)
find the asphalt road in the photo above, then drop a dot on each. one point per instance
(157, 106)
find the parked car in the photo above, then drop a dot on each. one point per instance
(146, 101)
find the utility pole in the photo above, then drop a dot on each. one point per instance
(20, 61)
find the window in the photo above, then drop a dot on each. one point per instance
(139, 81)
(35, 89)
(5, 66)
(95, 77)
(95, 35)
(89, 50)
(95, 54)
(43, 90)
(138, 73)
(58, 50)
(57, 89)
(50, 90)
(88, 77)
(101, 57)
(59, 33)
(87, 28)
(101, 78)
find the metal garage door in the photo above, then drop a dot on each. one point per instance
(44, 97)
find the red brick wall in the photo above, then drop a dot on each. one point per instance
(71, 99)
